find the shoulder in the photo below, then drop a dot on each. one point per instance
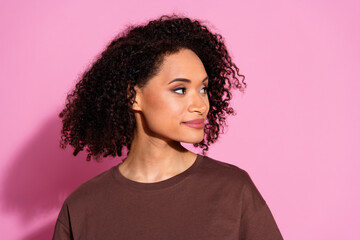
(231, 178)
(235, 183)
(98, 185)
(225, 170)
(87, 196)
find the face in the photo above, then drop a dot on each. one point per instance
(177, 94)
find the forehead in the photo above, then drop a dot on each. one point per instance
(184, 63)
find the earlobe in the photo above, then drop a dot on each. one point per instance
(135, 106)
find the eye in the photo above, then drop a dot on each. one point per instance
(206, 89)
(178, 89)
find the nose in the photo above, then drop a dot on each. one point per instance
(198, 103)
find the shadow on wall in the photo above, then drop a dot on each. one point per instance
(42, 175)
(43, 233)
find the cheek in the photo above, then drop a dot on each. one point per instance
(163, 106)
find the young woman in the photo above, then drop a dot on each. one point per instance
(155, 86)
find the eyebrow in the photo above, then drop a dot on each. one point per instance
(186, 80)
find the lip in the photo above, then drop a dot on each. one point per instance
(197, 123)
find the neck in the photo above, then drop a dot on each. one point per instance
(154, 159)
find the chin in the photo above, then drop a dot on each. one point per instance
(192, 140)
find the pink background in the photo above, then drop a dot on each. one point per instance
(296, 131)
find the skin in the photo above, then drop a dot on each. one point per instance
(160, 109)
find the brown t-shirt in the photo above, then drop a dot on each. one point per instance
(209, 200)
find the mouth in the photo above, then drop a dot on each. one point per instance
(197, 123)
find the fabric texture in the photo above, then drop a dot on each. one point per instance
(209, 200)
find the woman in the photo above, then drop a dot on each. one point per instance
(154, 86)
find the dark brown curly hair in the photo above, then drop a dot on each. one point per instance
(98, 111)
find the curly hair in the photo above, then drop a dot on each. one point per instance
(98, 111)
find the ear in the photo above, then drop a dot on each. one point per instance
(136, 106)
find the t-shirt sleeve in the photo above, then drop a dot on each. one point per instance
(62, 227)
(257, 221)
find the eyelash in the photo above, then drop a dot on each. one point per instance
(206, 89)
